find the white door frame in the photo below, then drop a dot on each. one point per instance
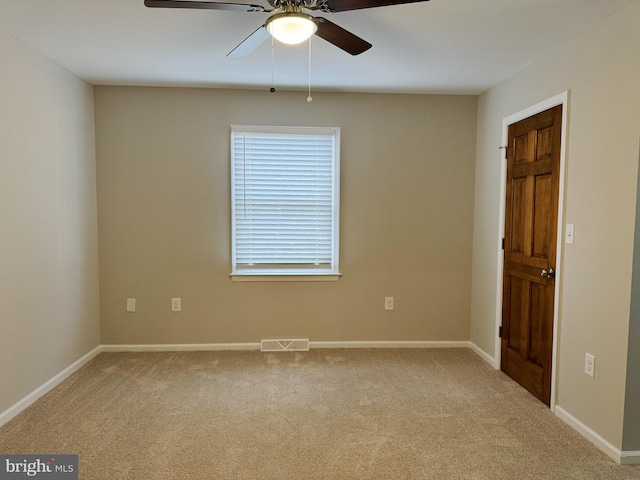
(560, 99)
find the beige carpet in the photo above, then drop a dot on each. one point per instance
(324, 414)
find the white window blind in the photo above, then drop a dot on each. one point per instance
(285, 198)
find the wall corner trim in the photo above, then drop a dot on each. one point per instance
(602, 444)
(47, 386)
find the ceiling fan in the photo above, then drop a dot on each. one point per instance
(290, 23)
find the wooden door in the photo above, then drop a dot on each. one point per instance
(533, 170)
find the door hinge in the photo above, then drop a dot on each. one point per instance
(502, 243)
(500, 331)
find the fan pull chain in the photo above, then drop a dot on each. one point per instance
(309, 98)
(273, 61)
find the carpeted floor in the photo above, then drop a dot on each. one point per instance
(323, 414)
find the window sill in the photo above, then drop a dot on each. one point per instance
(285, 277)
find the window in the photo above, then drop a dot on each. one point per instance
(285, 202)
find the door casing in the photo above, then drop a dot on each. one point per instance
(560, 99)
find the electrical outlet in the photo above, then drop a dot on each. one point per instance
(589, 364)
(176, 304)
(388, 303)
(131, 305)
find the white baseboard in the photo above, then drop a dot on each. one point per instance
(389, 344)
(484, 355)
(630, 457)
(602, 444)
(46, 387)
(191, 347)
(181, 347)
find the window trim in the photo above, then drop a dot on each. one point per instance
(285, 277)
(290, 274)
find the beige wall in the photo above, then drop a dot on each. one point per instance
(601, 69)
(164, 218)
(49, 309)
(631, 436)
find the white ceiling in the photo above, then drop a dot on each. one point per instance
(439, 46)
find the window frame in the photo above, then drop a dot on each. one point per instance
(282, 272)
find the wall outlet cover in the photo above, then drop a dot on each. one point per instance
(589, 364)
(131, 305)
(176, 304)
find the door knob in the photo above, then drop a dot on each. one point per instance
(548, 273)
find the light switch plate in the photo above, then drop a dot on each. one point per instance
(569, 233)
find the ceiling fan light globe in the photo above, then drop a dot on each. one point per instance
(291, 28)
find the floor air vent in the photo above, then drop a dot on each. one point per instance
(280, 345)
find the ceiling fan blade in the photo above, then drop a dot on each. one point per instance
(346, 5)
(250, 43)
(239, 7)
(340, 37)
